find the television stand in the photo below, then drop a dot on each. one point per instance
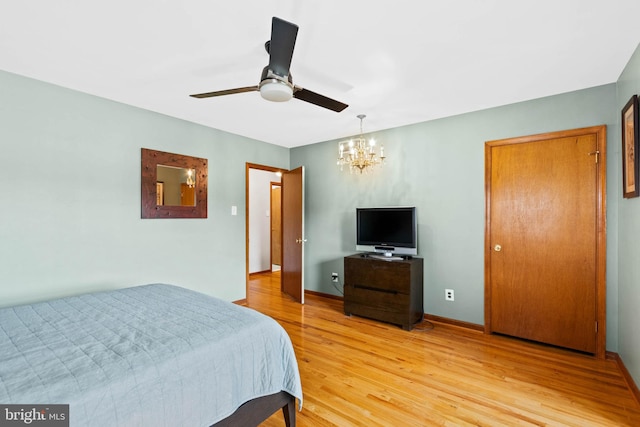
(391, 292)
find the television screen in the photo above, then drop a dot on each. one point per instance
(391, 230)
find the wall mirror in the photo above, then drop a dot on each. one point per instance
(173, 185)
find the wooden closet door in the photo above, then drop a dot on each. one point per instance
(544, 258)
(187, 195)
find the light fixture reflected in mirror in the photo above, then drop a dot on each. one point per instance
(190, 181)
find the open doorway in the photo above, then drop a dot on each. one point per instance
(263, 234)
(258, 247)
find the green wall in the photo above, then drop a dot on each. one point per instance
(438, 166)
(629, 236)
(70, 198)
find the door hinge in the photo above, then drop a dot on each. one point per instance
(596, 326)
(595, 153)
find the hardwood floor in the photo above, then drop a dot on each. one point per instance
(359, 372)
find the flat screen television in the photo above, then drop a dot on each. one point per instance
(389, 231)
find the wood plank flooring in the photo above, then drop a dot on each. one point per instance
(359, 372)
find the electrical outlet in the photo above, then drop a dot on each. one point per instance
(334, 277)
(448, 295)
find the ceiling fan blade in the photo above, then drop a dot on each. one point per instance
(226, 92)
(317, 99)
(283, 40)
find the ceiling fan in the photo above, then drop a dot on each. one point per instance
(276, 83)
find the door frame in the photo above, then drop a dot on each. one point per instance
(248, 167)
(601, 235)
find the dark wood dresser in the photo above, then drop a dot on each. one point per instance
(389, 291)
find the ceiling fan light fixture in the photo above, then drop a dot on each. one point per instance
(276, 90)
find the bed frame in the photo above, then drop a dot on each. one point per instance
(255, 411)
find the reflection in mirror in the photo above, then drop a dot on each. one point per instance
(175, 186)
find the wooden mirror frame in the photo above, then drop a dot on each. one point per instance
(150, 161)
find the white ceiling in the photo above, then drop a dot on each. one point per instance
(399, 62)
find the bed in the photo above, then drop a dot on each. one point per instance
(153, 355)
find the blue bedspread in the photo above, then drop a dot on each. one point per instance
(154, 355)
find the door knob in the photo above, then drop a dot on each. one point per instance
(497, 248)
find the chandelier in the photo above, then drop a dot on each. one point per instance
(359, 153)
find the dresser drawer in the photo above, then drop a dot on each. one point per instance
(390, 276)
